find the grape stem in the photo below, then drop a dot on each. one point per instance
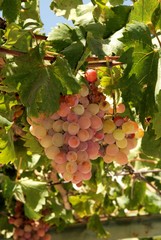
(63, 192)
(18, 169)
(128, 169)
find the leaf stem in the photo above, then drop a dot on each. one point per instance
(18, 169)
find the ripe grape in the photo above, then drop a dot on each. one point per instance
(58, 139)
(112, 150)
(84, 122)
(71, 156)
(38, 131)
(108, 126)
(46, 141)
(73, 141)
(83, 135)
(60, 158)
(73, 128)
(118, 134)
(91, 75)
(120, 108)
(78, 109)
(96, 123)
(122, 143)
(93, 108)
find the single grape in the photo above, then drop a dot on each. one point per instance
(108, 159)
(96, 123)
(84, 166)
(38, 131)
(84, 91)
(73, 128)
(108, 126)
(83, 135)
(58, 125)
(112, 150)
(71, 167)
(78, 109)
(60, 158)
(64, 110)
(109, 138)
(118, 134)
(73, 141)
(121, 143)
(51, 151)
(46, 141)
(91, 75)
(93, 108)
(71, 156)
(121, 158)
(129, 127)
(84, 122)
(58, 139)
(82, 156)
(120, 108)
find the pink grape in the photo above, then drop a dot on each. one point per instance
(73, 141)
(77, 177)
(83, 135)
(109, 138)
(118, 120)
(131, 143)
(91, 132)
(91, 75)
(60, 168)
(84, 166)
(108, 159)
(54, 116)
(67, 176)
(72, 100)
(121, 158)
(84, 101)
(96, 123)
(130, 127)
(60, 158)
(73, 128)
(72, 117)
(93, 150)
(82, 146)
(47, 123)
(112, 150)
(71, 167)
(64, 110)
(84, 122)
(99, 136)
(82, 156)
(71, 156)
(86, 176)
(120, 108)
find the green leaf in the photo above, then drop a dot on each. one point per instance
(17, 38)
(136, 194)
(68, 41)
(156, 20)
(95, 225)
(40, 86)
(143, 10)
(11, 9)
(156, 124)
(37, 189)
(63, 8)
(150, 146)
(7, 152)
(152, 202)
(140, 76)
(116, 2)
(30, 212)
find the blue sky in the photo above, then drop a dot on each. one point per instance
(48, 17)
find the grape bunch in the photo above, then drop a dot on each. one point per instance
(83, 129)
(25, 228)
(71, 137)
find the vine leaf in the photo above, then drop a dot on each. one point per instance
(40, 85)
(11, 9)
(157, 117)
(140, 76)
(143, 10)
(68, 41)
(95, 225)
(63, 8)
(37, 189)
(7, 152)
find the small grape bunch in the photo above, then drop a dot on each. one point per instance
(25, 229)
(120, 137)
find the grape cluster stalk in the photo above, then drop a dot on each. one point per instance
(25, 229)
(83, 129)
